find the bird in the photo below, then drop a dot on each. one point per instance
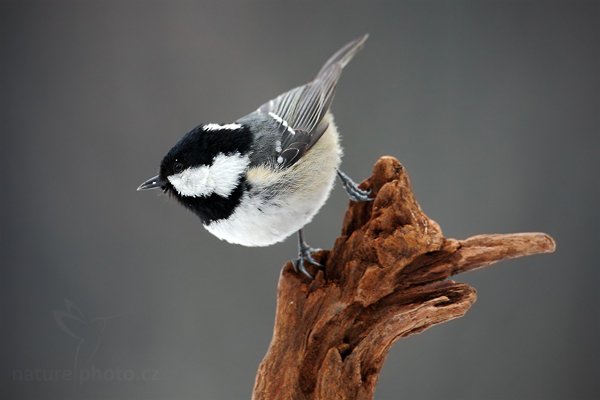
(262, 178)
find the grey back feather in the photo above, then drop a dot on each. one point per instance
(299, 112)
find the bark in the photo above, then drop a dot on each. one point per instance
(385, 278)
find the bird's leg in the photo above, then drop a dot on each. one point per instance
(305, 254)
(354, 192)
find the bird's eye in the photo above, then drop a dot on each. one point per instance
(178, 167)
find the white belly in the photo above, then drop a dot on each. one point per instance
(256, 224)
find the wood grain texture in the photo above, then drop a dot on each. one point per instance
(385, 278)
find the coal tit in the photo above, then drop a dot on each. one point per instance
(263, 177)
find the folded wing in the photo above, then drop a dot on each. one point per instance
(300, 111)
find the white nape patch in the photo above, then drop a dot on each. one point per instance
(216, 127)
(282, 122)
(221, 177)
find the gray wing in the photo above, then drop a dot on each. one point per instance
(300, 112)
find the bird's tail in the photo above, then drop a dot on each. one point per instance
(343, 56)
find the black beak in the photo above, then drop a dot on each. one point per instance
(152, 183)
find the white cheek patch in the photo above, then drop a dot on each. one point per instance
(221, 177)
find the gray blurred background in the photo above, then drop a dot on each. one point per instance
(108, 293)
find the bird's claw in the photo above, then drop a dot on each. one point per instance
(305, 254)
(357, 194)
(354, 192)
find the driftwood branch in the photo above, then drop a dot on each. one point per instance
(386, 278)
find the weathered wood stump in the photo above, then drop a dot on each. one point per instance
(386, 278)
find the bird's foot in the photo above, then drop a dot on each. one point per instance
(305, 254)
(354, 192)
